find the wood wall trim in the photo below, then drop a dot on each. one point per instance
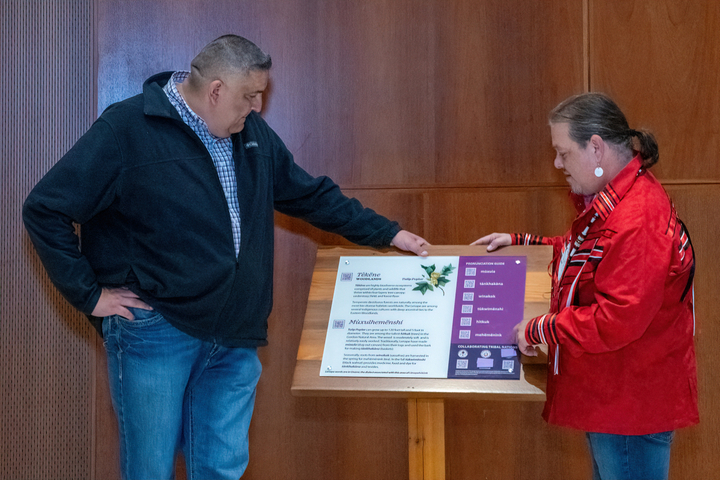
(499, 186)
(587, 52)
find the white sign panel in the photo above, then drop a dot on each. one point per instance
(391, 317)
(434, 317)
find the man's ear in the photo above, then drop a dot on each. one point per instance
(214, 92)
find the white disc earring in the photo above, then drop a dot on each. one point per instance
(599, 172)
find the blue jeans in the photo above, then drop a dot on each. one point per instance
(630, 457)
(173, 392)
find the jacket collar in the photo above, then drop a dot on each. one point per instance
(606, 200)
(156, 102)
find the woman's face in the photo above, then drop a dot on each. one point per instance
(578, 164)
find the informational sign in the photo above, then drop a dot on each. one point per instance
(433, 317)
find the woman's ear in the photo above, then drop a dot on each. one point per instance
(598, 146)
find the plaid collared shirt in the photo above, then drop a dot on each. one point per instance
(220, 150)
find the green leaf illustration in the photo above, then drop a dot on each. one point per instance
(429, 270)
(423, 287)
(434, 279)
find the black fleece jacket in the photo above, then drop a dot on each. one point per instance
(154, 218)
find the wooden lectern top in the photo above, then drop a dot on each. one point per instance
(308, 382)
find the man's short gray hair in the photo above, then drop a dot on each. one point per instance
(229, 54)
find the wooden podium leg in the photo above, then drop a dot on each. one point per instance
(426, 438)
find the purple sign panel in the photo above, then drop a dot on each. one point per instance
(489, 302)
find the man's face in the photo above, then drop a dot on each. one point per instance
(233, 100)
(578, 164)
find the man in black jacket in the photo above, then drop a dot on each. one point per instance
(176, 190)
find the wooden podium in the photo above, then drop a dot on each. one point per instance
(426, 409)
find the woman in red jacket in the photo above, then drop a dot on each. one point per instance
(621, 361)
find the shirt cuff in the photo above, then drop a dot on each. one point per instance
(526, 239)
(542, 330)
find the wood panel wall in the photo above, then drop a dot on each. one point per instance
(660, 61)
(431, 112)
(47, 363)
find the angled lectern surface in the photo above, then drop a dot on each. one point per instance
(425, 395)
(308, 382)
